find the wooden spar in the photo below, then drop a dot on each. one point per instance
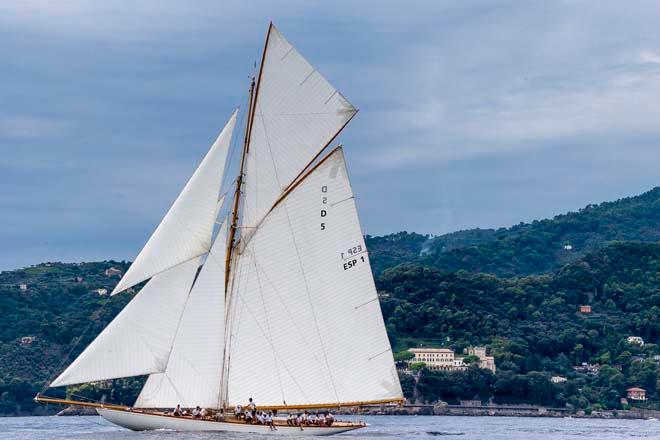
(334, 136)
(44, 399)
(252, 105)
(300, 179)
(237, 193)
(398, 401)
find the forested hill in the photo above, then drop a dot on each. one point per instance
(542, 246)
(517, 291)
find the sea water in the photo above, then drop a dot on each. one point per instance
(381, 428)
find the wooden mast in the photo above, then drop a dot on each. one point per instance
(237, 194)
(252, 105)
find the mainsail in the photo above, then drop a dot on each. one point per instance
(186, 230)
(306, 326)
(300, 322)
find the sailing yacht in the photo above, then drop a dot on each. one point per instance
(274, 300)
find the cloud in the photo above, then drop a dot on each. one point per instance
(471, 113)
(30, 127)
(649, 57)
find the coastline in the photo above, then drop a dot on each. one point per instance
(506, 411)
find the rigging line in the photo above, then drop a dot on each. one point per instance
(343, 200)
(270, 149)
(230, 341)
(365, 303)
(378, 354)
(270, 334)
(178, 324)
(235, 141)
(80, 338)
(311, 304)
(256, 321)
(175, 388)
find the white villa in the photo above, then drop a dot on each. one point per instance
(444, 359)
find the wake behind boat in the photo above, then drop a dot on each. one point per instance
(278, 302)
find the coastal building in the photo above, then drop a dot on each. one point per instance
(23, 287)
(587, 368)
(558, 379)
(444, 359)
(585, 309)
(636, 393)
(113, 272)
(485, 361)
(103, 384)
(435, 359)
(635, 340)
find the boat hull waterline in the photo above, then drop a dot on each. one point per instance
(144, 421)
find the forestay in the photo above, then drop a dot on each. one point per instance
(186, 230)
(193, 372)
(297, 112)
(139, 340)
(305, 322)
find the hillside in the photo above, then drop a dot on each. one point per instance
(533, 327)
(528, 248)
(516, 291)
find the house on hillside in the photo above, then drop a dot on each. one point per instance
(635, 340)
(101, 292)
(113, 272)
(444, 359)
(486, 362)
(27, 340)
(558, 379)
(23, 287)
(586, 309)
(636, 393)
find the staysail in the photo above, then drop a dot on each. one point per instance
(306, 325)
(139, 340)
(192, 376)
(186, 230)
(296, 113)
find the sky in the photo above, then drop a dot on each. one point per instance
(472, 113)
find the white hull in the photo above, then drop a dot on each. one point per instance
(145, 421)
